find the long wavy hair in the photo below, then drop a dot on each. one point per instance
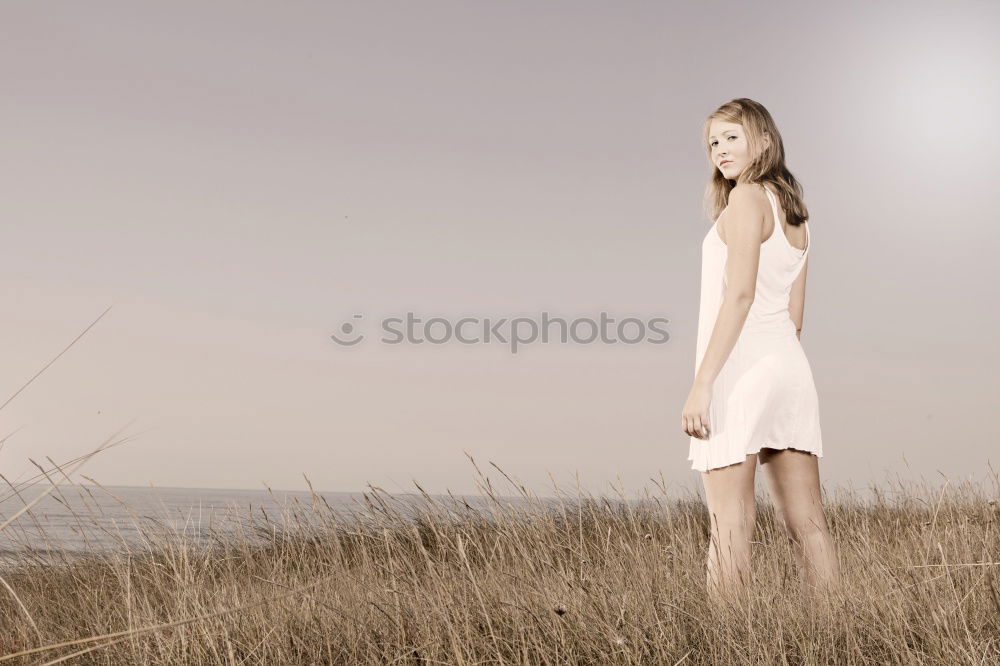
(766, 165)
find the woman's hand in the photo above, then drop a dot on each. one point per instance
(694, 416)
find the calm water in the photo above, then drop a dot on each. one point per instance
(84, 519)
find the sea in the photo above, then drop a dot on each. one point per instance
(80, 520)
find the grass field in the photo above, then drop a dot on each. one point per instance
(584, 580)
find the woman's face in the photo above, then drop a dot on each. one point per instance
(728, 146)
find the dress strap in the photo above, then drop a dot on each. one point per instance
(774, 207)
(779, 229)
(774, 213)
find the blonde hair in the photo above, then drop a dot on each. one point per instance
(766, 165)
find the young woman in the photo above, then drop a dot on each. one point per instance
(753, 395)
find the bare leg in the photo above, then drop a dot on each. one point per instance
(793, 481)
(729, 492)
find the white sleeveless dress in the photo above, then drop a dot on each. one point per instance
(765, 395)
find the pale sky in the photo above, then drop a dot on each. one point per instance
(239, 179)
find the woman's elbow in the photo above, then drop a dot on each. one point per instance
(740, 298)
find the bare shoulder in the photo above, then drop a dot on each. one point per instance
(749, 196)
(745, 212)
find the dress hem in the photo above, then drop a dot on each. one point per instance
(726, 463)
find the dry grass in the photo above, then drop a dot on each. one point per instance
(584, 579)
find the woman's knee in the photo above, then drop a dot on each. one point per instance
(733, 524)
(805, 527)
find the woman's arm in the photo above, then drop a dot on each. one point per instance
(743, 225)
(797, 299)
